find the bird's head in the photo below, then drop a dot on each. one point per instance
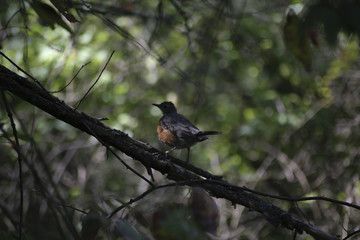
(166, 107)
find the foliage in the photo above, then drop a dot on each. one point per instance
(285, 130)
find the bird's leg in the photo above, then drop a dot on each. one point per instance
(188, 155)
(166, 153)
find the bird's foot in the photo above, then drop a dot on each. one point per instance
(167, 152)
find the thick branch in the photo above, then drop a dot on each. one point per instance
(175, 169)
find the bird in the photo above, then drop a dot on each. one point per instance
(177, 131)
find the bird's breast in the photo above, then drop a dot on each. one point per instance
(166, 136)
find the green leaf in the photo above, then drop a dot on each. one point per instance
(63, 8)
(48, 15)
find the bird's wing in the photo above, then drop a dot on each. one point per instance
(180, 126)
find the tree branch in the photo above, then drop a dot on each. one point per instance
(175, 169)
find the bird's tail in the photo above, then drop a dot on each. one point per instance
(204, 133)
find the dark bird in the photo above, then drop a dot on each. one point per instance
(177, 131)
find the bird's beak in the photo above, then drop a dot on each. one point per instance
(156, 104)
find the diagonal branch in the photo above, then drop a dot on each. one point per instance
(151, 157)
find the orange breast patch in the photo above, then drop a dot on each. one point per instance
(165, 136)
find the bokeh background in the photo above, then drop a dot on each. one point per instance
(279, 79)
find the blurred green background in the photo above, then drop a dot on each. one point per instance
(283, 89)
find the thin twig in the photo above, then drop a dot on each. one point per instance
(160, 59)
(352, 234)
(13, 126)
(119, 158)
(71, 79)
(10, 19)
(128, 166)
(24, 14)
(71, 207)
(301, 199)
(185, 17)
(63, 204)
(88, 91)
(147, 192)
